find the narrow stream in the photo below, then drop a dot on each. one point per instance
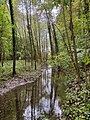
(40, 100)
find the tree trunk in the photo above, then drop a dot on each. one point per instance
(29, 30)
(69, 44)
(13, 36)
(86, 12)
(63, 39)
(0, 49)
(39, 42)
(86, 29)
(49, 31)
(0, 45)
(74, 42)
(55, 39)
(46, 47)
(34, 49)
(36, 38)
(2, 56)
(50, 37)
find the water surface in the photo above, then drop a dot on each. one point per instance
(36, 101)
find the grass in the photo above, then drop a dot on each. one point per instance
(21, 69)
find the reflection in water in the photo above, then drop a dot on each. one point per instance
(41, 99)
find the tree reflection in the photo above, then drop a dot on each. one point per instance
(35, 101)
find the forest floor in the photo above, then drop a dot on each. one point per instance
(77, 104)
(24, 75)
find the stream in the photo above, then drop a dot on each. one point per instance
(40, 100)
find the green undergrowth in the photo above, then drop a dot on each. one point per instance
(21, 69)
(77, 103)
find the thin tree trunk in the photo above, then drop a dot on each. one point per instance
(13, 36)
(35, 56)
(50, 37)
(74, 42)
(46, 48)
(1, 47)
(86, 12)
(49, 31)
(63, 38)
(31, 37)
(69, 44)
(55, 39)
(36, 38)
(29, 30)
(2, 56)
(39, 34)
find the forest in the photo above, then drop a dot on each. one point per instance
(41, 37)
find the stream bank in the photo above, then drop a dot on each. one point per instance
(19, 79)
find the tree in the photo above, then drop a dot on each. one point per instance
(55, 39)
(13, 36)
(74, 42)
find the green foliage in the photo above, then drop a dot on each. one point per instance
(43, 117)
(62, 59)
(6, 70)
(87, 59)
(77, 106)
(5, 31)
(57, 2)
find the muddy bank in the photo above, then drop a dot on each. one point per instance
(19, 80)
